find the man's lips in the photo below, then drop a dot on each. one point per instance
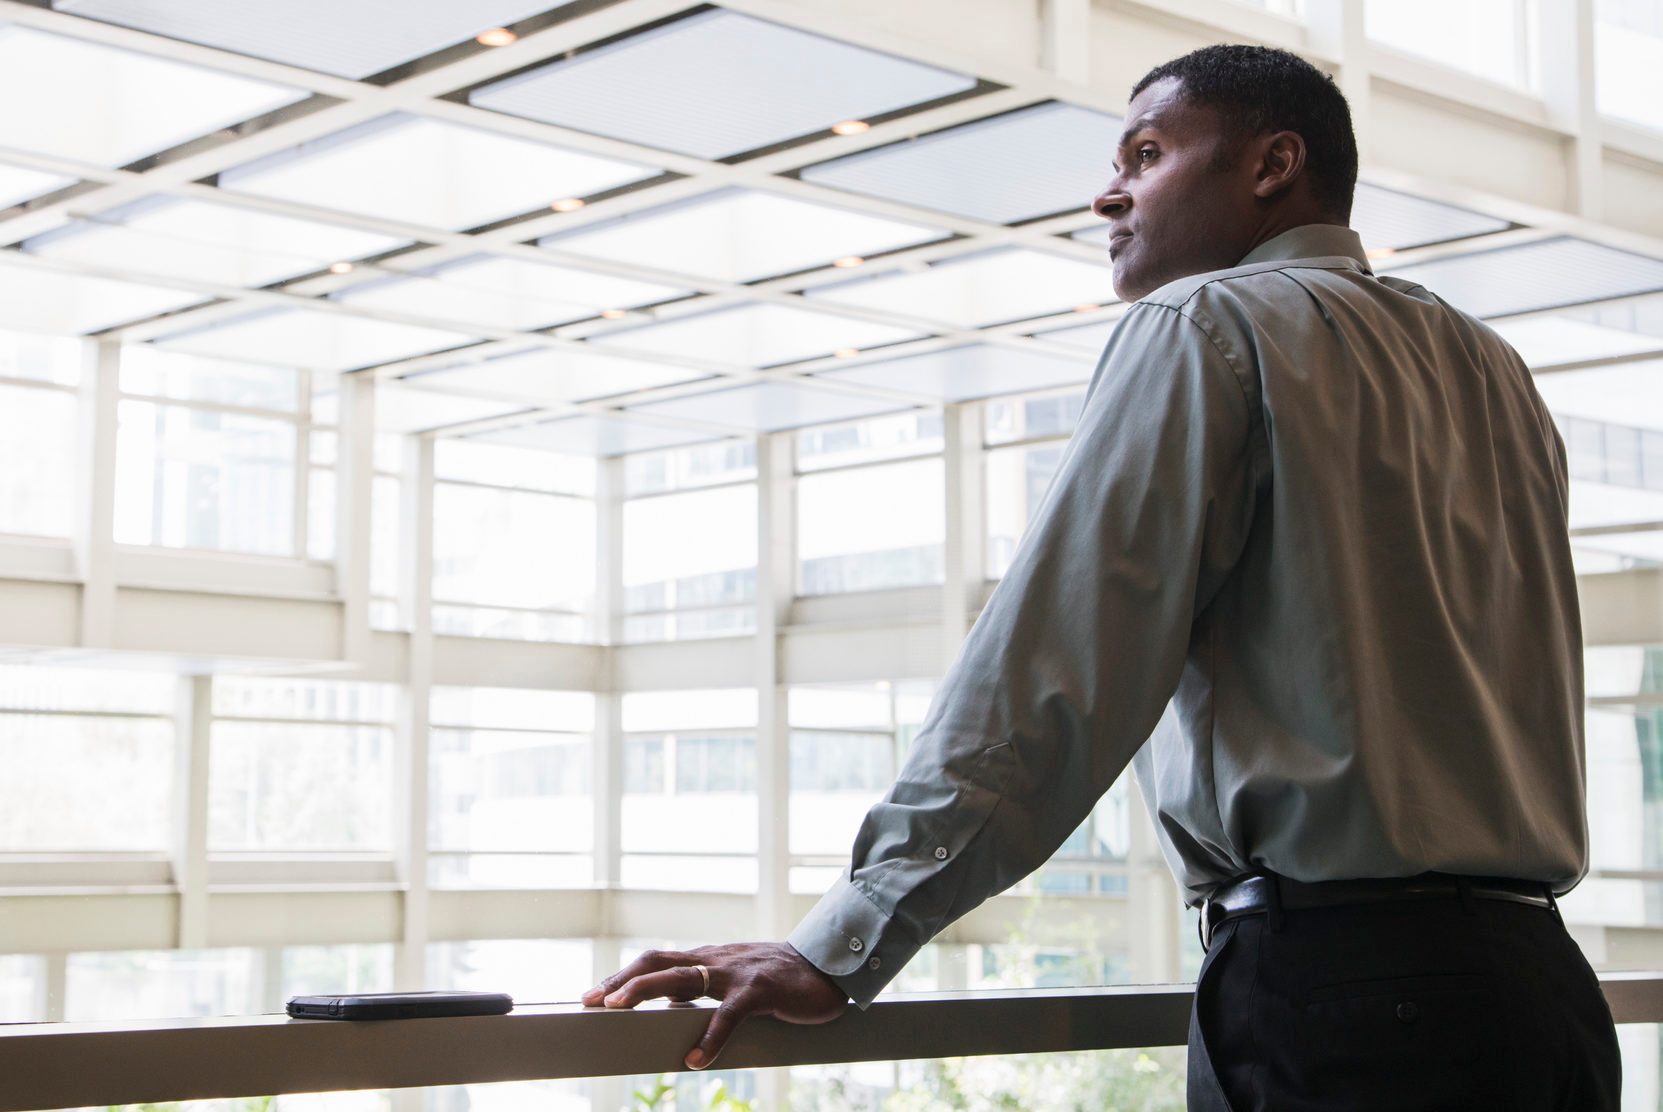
(1116, 240)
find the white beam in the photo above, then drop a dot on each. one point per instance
(354, 485)
(776, 575)
(414, 727)
(95, 487)
(193, 735)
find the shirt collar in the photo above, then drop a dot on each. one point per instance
(1311, 241)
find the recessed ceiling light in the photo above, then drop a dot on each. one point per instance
(851, 127)
(1381, 252)
(496, 36)
(845, 353)
(1088, 308)
(847, 261)
(567, 204)
(613, 314)
(340, 268)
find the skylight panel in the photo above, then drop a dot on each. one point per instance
(741, 235)
(1544, 341)
(756, 335)
(348, 40)
(429, 172)
(1625, 394)
(985, 169)
(1389, 220)
(972, 371)
(547, 376)
(106, 106)
(18, 184)
(403, 409)
(312, 339)
(988, 287)
(207, 241)
(1532, 276)
(1086, 337)
(769, 406)
(507, 293)
(34, 299)
(718, 83)
(1603, 505)
(594, 436)
(1640, 545)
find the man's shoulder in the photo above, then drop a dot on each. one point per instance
(1183, 294)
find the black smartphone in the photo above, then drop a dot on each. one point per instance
(399, 1005)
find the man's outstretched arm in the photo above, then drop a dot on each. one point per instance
(1059, 682)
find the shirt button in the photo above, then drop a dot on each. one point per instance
(856, 945)
(941, 853)
(873, 964)
(1408, 1012)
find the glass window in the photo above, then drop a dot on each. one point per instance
(1628, 60)
(871, 527)
(41, 358)
(513, 549)
(1486, 38)
(37, 460)
(1017, 479)
(696, 552)
(300, 765)
(22, 986)
(155, 373)
(897, 436)
(531, 970)
(726, 461)
(197, 478)
(89, 760)
(353, 967)
(1048, 415)
(510, 793)
(158, 984)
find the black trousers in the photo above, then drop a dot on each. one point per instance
(1408, 1006)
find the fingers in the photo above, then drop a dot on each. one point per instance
(650, 961)
(681, 983)
(723, 1020)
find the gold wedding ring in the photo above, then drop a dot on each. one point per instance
(705, 973)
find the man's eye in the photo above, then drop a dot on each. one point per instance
(1146, 154)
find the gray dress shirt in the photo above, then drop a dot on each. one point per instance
(1304, 564)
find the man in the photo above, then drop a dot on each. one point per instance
(1324, 513)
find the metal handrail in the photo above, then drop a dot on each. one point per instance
(56, 1065)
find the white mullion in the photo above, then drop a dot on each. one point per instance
(354, 486)
(775, 588)
(414, 732)
(94, 539)
(606, 763)
(962, 563)
(193, 729)
(1565, 55)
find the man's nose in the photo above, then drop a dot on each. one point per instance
(1112, 202)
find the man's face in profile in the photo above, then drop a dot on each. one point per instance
(1181, 201)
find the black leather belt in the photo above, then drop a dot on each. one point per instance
(1253, 895)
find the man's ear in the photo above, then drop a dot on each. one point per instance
(1281, 161)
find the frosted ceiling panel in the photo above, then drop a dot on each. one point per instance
(208, 241)
(103, 105)
(348, 40)
(429, 172)
(33, 299)
(985, 170)
(754, 335)
(1544, 275)
(546, 376)
(988, 287)
(1602, 505)
(1627, 394)
(402, 409)
(769, 406)
(1646, 545)
(594, 436)
(963, 373)
(1086, 337)
(740, 235)
(507, 293)
(312, 339)
(1387, 219)
(1544, 341)
(18, 184)
(716, 84)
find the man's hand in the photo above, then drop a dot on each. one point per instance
(749, 978)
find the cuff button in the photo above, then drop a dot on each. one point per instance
(856, 945)
(941, 853)
(873, 964)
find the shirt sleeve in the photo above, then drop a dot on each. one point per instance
(1070, 664)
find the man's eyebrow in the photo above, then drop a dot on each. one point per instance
(1147, 120)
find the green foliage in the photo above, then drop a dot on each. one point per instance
(240, 1104)
(662, 1096)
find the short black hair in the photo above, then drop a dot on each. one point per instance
(1259, 89)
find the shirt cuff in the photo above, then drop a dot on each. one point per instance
(850, 939)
